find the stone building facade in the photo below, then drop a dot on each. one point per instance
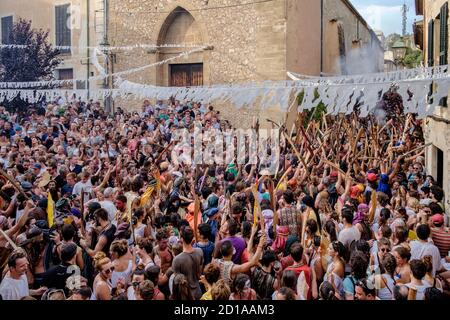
(434, 37)
(79, 19)
(246, 40)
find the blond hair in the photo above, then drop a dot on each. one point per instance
(100, 259)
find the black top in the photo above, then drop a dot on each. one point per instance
(109, 234)
(56, 276)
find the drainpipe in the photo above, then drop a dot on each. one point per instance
(88, 55)
(321, 37)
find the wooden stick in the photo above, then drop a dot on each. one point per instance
(164, 151)
(292, 145)
(14, 183)
(12, 243)
(274, 207)
(331, 164)
(203, 179)
(83, 230)
(373, 207)
(417, 149)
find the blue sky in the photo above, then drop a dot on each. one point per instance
(385, 15)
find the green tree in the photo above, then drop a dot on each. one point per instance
(413, 58)
(35, 62)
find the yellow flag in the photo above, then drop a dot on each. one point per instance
(412, 235)
(146, 196)
(50, 210)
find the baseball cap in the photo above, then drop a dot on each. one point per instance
(37, 166)
(437, 219)
(334, 174)
(26, 186)
(372, 177)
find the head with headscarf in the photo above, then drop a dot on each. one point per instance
(280, 241)
(383, 185)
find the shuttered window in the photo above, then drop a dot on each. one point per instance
(63, 34)
(443, 39)
(430, 43)
(7, 25)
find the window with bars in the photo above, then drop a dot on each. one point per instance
(65, 74)
(431, 43)
(7, 25)
(62, 20)
(443, 36)
(443, 43)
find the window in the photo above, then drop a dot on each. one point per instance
(342, 53)
(443, 37)
(65, 74)
(63, 34)
(430, 43)
(7, 25)
(186, 75)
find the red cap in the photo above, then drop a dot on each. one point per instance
(334, 174)
(372, 177)
(438, 218)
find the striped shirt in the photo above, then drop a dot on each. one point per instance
(441, 239)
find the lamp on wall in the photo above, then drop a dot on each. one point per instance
(399, 48)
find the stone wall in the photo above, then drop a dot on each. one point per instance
(363, 49)
(42, 16)
(438, 133)
(437, 130)
(248, 42)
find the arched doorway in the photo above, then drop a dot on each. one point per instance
(180, 27)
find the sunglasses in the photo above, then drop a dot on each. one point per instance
(108, 271)
(384, 250)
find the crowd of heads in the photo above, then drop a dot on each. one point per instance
(95, 206)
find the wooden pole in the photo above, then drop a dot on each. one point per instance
(14, 183)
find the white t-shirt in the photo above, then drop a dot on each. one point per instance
(80, 185)
(421, 249)
(12, 289)
(348, 235)
(110, 207)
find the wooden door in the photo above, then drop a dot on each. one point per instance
(186, 75)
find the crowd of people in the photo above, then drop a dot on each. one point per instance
(93, 206)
